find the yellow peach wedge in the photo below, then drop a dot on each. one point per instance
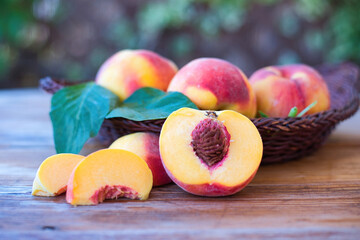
(53, 174)
(210, 153)
(109, 174)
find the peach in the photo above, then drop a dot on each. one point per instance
(146, 146)
(53, 174)
(215, 84)
(210, 153)
(109, 174)
(129, 70)
(280, 88)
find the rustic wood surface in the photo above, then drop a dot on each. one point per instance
(314, 197)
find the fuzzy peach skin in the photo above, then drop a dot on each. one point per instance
(215, 84)
(109, 174)
(280, 88)
(212, 189)
(53, 174)
(146, 146)
(129, 70)
(210, 153)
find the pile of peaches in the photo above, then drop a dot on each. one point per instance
(213, 151)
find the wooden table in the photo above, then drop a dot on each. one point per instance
(315, 197)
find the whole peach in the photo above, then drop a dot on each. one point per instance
(280, 88)
(129, 70)
(215, 84)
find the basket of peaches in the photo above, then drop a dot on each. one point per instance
(206, 127)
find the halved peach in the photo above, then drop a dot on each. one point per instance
(146, 146)
(210, 153)
(53, 174)
(109, 174)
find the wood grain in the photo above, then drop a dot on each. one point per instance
(315, 197)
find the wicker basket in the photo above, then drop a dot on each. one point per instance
(283, 138)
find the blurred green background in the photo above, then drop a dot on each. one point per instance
(71, 38)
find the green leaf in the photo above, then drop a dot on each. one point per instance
(77, 113)
(293, 112)
(306, 109)
(262, 114)
(149, 104)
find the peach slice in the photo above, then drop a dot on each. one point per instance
(109, 174)
(53, 174)
(146, 146)
(210, 153)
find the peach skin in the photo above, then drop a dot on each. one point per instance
(129, 70)
(280, 88)
(215, 84)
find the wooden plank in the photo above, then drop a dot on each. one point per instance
(315, 197)
(271, 209)
(270, 206)
(292, 233)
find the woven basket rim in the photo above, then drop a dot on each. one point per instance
(274, 119)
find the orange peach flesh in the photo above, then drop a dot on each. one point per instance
(278, 89)
(129, 70)
(146, 146)
(215, 84)
(109, 173)
(228, 175)
(53, 174)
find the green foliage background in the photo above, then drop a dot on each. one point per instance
(36, 36)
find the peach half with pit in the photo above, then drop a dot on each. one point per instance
(128, 70)
(210, 153)
(215, 84)
(109, 174)
(280, 88)
(146, 146)
(53, 174)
